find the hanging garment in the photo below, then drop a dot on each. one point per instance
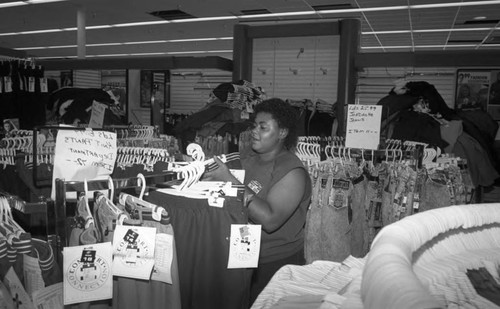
(202, 240)
(129, 293)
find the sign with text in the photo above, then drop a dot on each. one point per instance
(97, 115)
(363, 126)
(83, 155)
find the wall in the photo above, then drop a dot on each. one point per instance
(297, 67)
(189, 90)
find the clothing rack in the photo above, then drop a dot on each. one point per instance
(62, 187)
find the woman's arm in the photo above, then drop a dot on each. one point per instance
(282, 200)
(221, 173)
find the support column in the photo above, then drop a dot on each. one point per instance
(346, 86)
(242, 53)
(81, 33)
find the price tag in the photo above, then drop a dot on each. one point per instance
(7, 82)
(130, 236)
(31, 84)
(44, 88)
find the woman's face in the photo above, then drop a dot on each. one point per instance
(265, 134)
(6, 126)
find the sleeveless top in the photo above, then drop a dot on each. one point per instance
(260, 177)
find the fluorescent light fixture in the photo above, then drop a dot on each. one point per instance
(62, 46)
(143, 54)
(200, 40)
(103, 44)
(429, 46)
(148, 54)
(125, 43)
(141, 23)
(46, 47)
(99, 27)
(479, 18)
(284, 14)
(200, 19)
(427, 30)
(27, 2)
(145, 42)
(39, 31)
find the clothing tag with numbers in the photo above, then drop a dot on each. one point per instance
(244, 246)
(164, 255)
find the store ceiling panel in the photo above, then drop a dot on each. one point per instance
(117, 28)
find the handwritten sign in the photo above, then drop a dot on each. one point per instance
(84, 154)
(363, 126)
(97, 115)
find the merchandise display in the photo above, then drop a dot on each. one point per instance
(103, 213)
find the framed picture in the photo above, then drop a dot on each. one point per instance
(66, 78)
(154, 88)
(146, 87)
(478, 88)
(115, 82)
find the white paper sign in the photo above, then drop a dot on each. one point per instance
(83, 154)
(33, 280)
(6, 301)
(50, 297)
(164, 255)
(134, 251)
(20, 298)
(244, 246)
(87, 273)
(97, 115)
(363, 126)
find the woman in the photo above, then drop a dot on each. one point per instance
(278, 189)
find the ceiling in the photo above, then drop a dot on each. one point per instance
(115, 28)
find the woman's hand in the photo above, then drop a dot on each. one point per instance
(221, 173)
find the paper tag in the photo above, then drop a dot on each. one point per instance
(133, 250)
(216, 198)
(244, 246)
(130, 236)
(83, 281)
(88, 257)
(6, 301)
(238, 174)
(33, 280)
(31, 84)
(19, 295)
(44, 88)
(7, 82)
(50, 297)
(164, 255)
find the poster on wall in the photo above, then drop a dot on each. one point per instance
(478, 89)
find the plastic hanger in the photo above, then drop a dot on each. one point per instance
(142, 184)
(89, 219)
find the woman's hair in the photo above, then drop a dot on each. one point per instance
(286, 116)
